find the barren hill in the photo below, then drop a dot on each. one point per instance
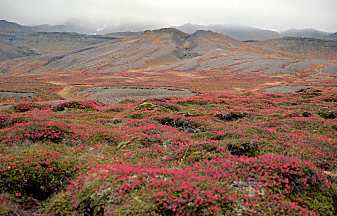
(171, 49)
(305, 46)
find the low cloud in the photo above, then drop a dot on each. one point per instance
(272, 14)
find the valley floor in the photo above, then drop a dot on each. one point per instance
(214, 144)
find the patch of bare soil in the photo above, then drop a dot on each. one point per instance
(285, 89)
(110, 95)
(16, 95)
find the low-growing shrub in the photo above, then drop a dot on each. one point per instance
(36, 172)
(60, 205)
(149, 141)
(306, 114)
(169, 107)
(41, 132)
(104, 137)
(182, 124)
(27, 106)
(137, 115)
(6, 205)
(309, 92)
(327, 114)
(223, 136)
(200, 152)
(83, 105)
(146, 106)
(230, 116)
(210, 187)
(192, 103)
(5, 121)
(115, 109)
(27, 133)
(249, 149)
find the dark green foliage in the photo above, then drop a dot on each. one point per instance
(306, 114)
(192, 103)
(327, 114)
(182, 124)
(137, 116)
(243, 149)
(325, 203)
(103, 137)
(36, 172)
(309, 92)
(226, 136)
(230, 116)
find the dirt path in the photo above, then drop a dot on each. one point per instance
(68, 92)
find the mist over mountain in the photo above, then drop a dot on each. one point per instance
(305, 33)
(6, 26)
(242, 33)
(239, 32)
(76, 26)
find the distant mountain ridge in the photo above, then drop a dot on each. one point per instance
(304, 33)
(242, 33)
(170, 49)
(238, 32)
(246, 33)
(6, 26)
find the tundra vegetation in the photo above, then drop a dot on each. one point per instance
(221, 153)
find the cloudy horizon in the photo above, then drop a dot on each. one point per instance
(272, 14)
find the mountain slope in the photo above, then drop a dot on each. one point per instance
(304, 46)
(6, 26)
(173, 50)
(332, 37)
(50, 42)
(8, 51)
(158, 49)
(238, 32)
(304, 33)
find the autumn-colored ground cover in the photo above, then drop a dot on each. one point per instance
(213, 154)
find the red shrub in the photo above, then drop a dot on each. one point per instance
(27, 106)
(83, 105)
(36, 131)
(206, 188)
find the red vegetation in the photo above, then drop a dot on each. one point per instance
(83, 105)
(220, 153)
(210, 187)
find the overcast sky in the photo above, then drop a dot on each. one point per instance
(271, 14)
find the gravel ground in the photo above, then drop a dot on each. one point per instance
(285, 89)
(17, 95)
(111, 95)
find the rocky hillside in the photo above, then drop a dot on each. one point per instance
(304, 46)
(171, 49)
(242, 33)
(8, 51)
(162, 50)
(52, 42)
